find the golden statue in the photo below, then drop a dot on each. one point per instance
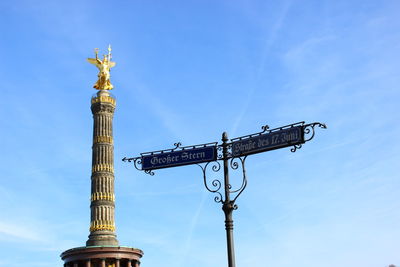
(104, 66)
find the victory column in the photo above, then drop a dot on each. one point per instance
(102, 248)
(102, 225)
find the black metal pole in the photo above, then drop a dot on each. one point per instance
(228, 205)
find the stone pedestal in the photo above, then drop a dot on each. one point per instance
(99, 256)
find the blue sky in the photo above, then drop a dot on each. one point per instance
(187, 71)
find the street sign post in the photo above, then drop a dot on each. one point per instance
(233, 154)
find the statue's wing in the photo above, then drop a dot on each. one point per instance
(92, 61)
(112, 64)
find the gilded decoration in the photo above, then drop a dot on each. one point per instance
(102, 196)
(102, 167)
(102, 139)
(102, 226)
(104, 66)
(103, 98)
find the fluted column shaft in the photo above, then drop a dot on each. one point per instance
(102, 223)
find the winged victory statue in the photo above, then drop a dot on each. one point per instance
(104, 66)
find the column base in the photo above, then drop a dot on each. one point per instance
(100, 239)
(94, 256)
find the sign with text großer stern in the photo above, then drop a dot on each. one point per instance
(179, 158)
(268, 141)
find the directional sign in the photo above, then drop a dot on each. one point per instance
(179, 158)
(268, 141)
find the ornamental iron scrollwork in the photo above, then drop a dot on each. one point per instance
(308, 133)
(234, 166)
(295, 147)
(177, 145)
(220, 155)
(264, 128)
(137, 162)
(309, 130)
(215, 183)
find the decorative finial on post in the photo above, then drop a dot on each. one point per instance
(224, 136)
(104, 66)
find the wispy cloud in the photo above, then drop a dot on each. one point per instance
(169, 118)
(20, 232)
(42, 234)
(269, 41)
(272, 35)
(178, 190)
(193, 223)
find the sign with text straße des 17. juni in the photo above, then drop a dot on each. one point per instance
(268, 141)
(179, 158)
